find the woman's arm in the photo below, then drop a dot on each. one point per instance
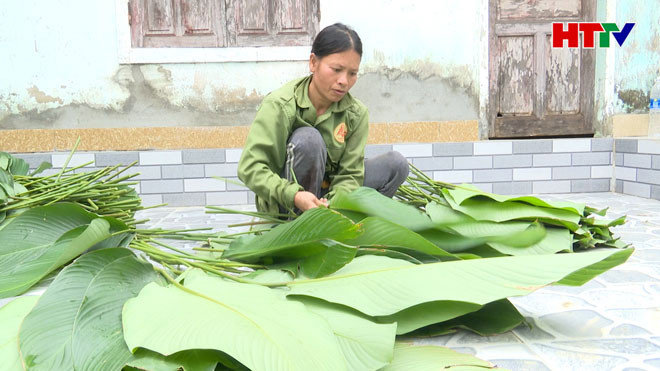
(265, 153)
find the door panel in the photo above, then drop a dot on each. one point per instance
(536, 90)
(516, 80)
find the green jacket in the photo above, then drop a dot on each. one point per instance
(281, 112)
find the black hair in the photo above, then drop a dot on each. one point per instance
(336, 38)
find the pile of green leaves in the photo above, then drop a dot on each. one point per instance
(337, 288)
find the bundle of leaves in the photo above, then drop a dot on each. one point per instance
(334, 289)
(586, 229)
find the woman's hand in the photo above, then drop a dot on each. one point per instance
(307, 200)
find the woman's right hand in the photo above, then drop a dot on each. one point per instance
(307, 200)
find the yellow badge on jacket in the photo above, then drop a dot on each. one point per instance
(340, 132)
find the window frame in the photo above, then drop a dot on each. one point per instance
(130, 55)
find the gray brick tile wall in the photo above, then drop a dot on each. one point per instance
(34, 159)
(637, 160)
(512, 161)
(453, 149)
(649, 146)
(571, 145)
(532, 146)
(572, 172)
(486, 187)
(602, 144)
(433, 163)
(637, 189)
(59, 159)
(162, 186)
(151, 200)
(655, 192)
(116, 157)
(234, 154)
(226, 198)
(473, 162)
(224, 170)
(555, 159)
(625, 173)
(513, 188)
(492, 175)
(655, 162)
(147, 172)
(618, 188)
(203, 156)
(373, 150)
(590, 185)
(503, 167)
(648, 176)
(618, 159)
(592, 158)
(551, 186)
(493, 147)
(625, 145)
(184, 199)
(231, 186)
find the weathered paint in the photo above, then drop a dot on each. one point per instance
(61, 68)
(638, 61)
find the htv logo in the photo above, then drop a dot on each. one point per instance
(588, 29)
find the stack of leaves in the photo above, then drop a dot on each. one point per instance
(104, 192)
(334, 289)
(468, 202)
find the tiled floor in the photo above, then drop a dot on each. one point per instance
(611, 323)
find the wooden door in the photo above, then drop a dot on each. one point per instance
(535, 90)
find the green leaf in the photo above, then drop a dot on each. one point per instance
(493, 318)
(76, 324)
(486, 209)
(5, 160)
(43, 239)
(267, 331)
(378, 232)
(297, 239)
(467, 191)
(555, 240)
(430, 357)
(335, 256)
(11, 317)
(429, 313)
(380, 286)
(445, 215)
(366, 345)
(395, 255)
(43, 166)
(18, 166)
(370, 202)
(189, 360)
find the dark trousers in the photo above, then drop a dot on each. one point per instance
(306, 155)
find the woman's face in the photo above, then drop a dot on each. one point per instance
(334, 75)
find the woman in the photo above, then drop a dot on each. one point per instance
(307, 140)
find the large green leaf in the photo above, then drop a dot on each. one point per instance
(487, 209)
(408, 357)
(188, 360)
(11, 317)
(556, 240)
(18, 166)
(493, 318)
(380, 286)
(44, 238)
(366, 345)
(77, 322)
(251, 323)
(369, 202)
(466, 191)
(378, 232)
(426, 314)
(335, 256)
(297, 239)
